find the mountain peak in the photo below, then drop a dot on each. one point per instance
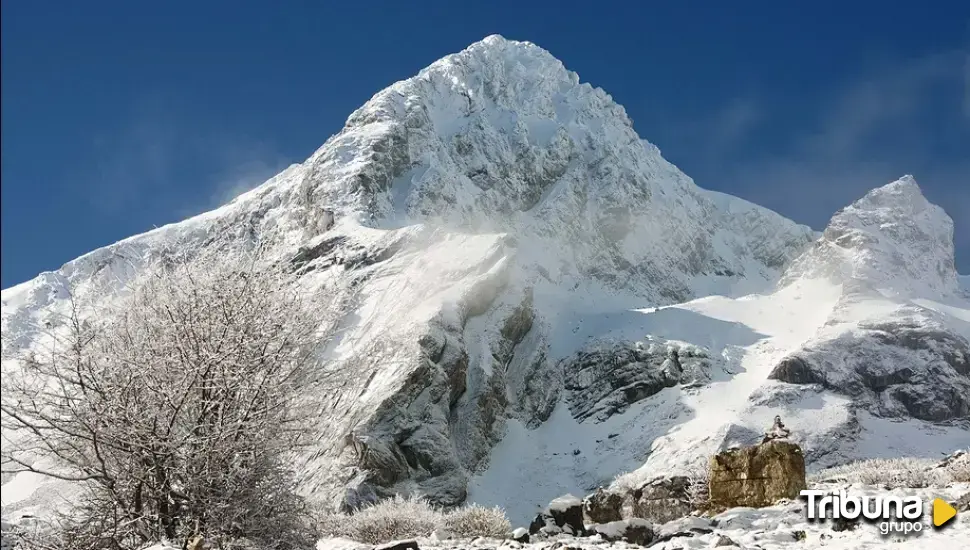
(891, 238)
(497, 42)
(903, 193)
(896, 211)
(481, 138)
(501, 137)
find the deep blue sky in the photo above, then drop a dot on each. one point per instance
(118, 116)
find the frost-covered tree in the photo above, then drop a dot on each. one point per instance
(177, 407)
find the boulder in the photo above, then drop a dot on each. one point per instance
(757, 476)
(550, 531)
(521, 535)
(662, 499)
(686, 527)
(635, 531)
(603, 506)
(543, 519)
(567, 511)
(399, 545)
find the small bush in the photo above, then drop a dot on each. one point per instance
(699, 485)
(892, 473)
(477, 521)
(627, 482)
(958, 469)
(404, 518)
(392, 519)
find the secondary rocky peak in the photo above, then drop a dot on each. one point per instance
(902, 193)
(892, 238)
(900, 204)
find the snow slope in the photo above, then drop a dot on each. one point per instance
(546, 302)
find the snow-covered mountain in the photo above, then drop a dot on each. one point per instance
(547, 303)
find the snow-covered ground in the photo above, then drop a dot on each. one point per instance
(781, 526)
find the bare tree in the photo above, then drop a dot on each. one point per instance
(699, 485)
(179, 406)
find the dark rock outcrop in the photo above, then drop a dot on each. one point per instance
(567, 512)
(563, 515)
(606, 379)
(603, 506)
(900, 368)
(757, 476)
(543, 519)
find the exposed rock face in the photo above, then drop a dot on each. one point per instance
(910, 367)
(757, 476)
(608, 378)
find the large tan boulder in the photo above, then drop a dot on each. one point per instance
(757, 476)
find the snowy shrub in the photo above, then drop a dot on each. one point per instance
(958, 469)
(698, 485)
(477, 521)
(402, 518)
(891, 473)
(391, 519)
(626, 482)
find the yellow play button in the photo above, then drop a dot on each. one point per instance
(942, 512)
